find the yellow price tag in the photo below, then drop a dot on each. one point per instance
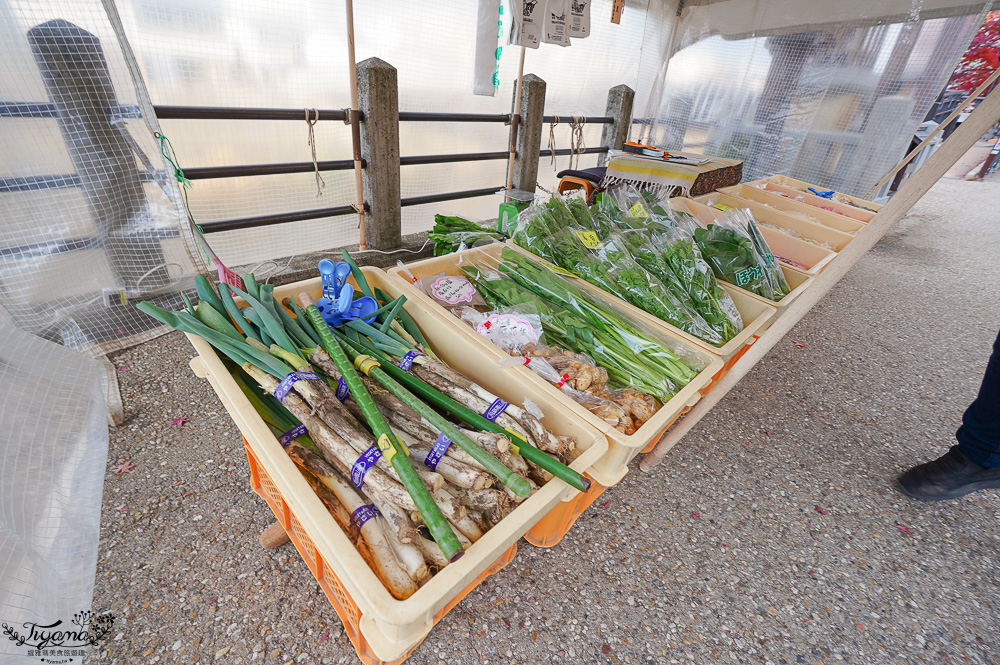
(722, 207)
(515, 434)
(385, 445)
(559, 271)
(589, 239)
(637, 210)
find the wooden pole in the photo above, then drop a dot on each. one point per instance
(515, 118)
(359, 207)
(947, 121)
(985, 115)
(619, 107)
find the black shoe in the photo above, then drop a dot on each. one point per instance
(948, 477)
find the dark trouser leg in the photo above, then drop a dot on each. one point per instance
(979, 435)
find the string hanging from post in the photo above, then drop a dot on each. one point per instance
(552, 142)
(320, 183)
(576, 145)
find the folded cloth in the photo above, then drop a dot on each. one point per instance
(700, 175)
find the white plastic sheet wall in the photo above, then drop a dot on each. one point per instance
(52, 464)
(830, 93)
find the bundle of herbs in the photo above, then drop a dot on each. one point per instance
(453, 234)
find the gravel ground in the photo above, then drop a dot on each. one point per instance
(773, 533)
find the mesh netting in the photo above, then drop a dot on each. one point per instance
(832, 96)
(92, 220)
(277, 54)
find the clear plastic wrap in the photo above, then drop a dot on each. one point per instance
(739, 255)
(594, 398)
(453, 234)
(510, 328)
(575, 319)
(711, 301)
(565, 233)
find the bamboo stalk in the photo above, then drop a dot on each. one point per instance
(352, 74)
(436, 522)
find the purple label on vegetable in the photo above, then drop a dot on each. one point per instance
(437, 451)
(292, 434)
(342, 391)
(407, 362)
(287, 382)
(362, 515)
(495, 409)
(365, 462)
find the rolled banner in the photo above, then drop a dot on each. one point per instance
(485, 72)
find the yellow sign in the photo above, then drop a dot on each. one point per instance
(514, 448)
(637, 210)
(385, 445)
(722, 207)
(559, 271)
(589, 239)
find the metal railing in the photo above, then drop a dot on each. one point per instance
(46, 110)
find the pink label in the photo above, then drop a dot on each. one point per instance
(453, 290)
(507, 331)
(228, 276)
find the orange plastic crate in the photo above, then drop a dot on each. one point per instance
(343, 604)
(557, 522)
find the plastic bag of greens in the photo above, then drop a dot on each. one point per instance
(711, 301)
(628, 279)
(733, 253)
(632, 353)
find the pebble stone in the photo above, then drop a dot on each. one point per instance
(797, 555)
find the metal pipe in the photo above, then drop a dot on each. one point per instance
(230, 113)
(270, 220)
(562, 152)
(448, 159)
(450, 196)
(210, 172)
(416, 116)
(588, 120)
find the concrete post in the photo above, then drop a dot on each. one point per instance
(378, 100)
(78, 82)
(529, 133)
(619, 107)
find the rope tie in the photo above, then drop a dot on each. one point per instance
(167, 150)
(320, 183)
(552, 142)
(576, 146)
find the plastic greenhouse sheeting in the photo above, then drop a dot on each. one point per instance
(829, 93)
(52, 462)
(93, 217)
